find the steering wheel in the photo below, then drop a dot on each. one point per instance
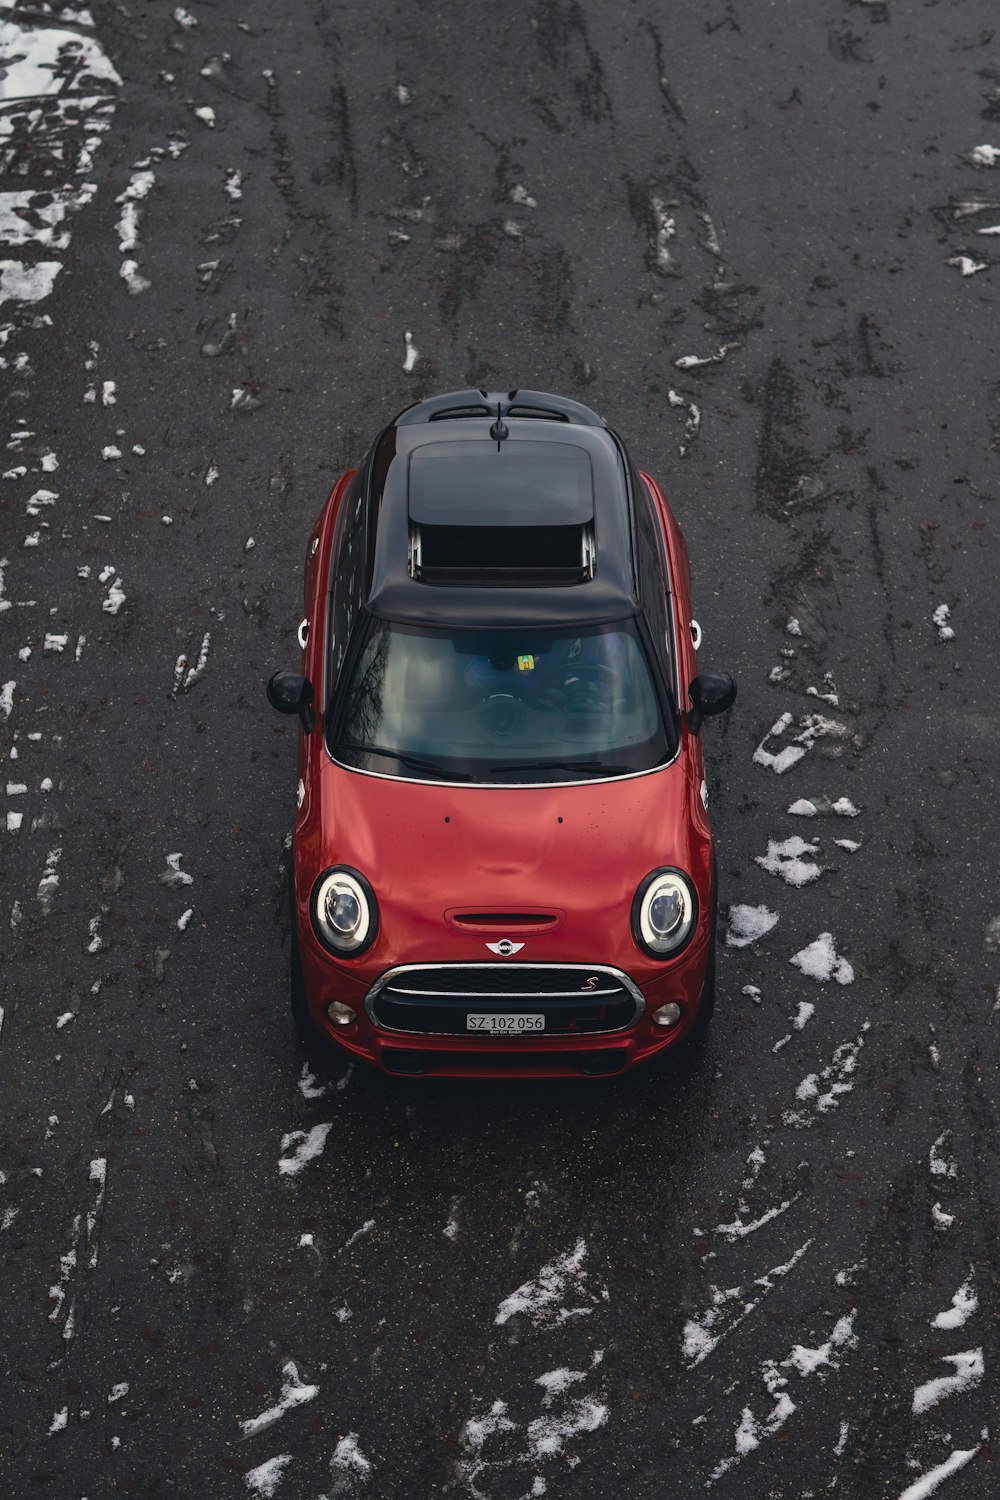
(503, 714)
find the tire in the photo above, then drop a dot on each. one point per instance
(296, 984)
(707, 1007)
(297, 989)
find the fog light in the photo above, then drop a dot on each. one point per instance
(341, 1015)
(666, 1016)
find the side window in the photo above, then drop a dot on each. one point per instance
(349, 582)
(652, 574)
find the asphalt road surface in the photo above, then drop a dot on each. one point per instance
(768, 1271)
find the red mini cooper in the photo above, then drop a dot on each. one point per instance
(502, 862)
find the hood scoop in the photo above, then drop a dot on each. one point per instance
(489, 923)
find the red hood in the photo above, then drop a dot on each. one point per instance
(581, 849)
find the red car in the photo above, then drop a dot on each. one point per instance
(502, 863)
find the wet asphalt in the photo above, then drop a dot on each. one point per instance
(736, 1262)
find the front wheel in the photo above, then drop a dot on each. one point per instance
(707, 1005)
(296, 987)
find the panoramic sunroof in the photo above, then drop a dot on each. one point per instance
(469, 484)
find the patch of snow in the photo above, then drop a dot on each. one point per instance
(941, 617)
(984, 156)
(925, 1486)
(966, 264)
(548, 1435)
(557, 1382)
(821, 962)
(969, 1369)
(698, 362)
(729, 1309)
(751, 1431)
(294, 1392)
(412, 353)
(308, 1146)
(808, 1361)
(942, 1163)
(49, 883)
(541, 1300)
(748, 924)
(963, 1305)
(308, 1087)
(264, 1480)
(24, 283)
(737, 1230)
(358, 1234)
(823, 1091)
(940, 1219)
(132, 277)
(348, 1457)
(173, 876)
(785, 758)
(785, 860)
(823, 807)
(665, 229)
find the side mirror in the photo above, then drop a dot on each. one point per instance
(711, 693)
(291, 693)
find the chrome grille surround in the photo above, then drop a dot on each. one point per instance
(508, 986)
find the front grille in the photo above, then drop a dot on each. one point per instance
(574, 999)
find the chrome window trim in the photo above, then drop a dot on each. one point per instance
(621, 978)
(510, 786)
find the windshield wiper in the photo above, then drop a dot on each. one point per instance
(564, 765)
(418, 762)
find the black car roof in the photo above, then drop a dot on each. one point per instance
(456, 429)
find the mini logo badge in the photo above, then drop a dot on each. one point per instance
(505, 947)
(591, 983)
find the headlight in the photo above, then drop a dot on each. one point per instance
(344, 912)
(664, 913)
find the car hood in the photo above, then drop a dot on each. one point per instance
(579, 850)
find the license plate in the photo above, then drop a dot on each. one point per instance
(503, 1025)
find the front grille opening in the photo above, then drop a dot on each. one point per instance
(540, 555)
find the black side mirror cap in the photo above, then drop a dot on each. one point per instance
(710, 693)
(291, 693)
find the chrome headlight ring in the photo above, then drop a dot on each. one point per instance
(664, 913)
(344, 912)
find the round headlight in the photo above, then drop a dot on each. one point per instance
(344, 912)
(664, 913)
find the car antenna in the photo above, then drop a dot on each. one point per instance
(499, 430)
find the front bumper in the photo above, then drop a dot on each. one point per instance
(569, 1052)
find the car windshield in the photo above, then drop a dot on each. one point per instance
(531, 705)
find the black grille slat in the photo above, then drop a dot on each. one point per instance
(435, 1000)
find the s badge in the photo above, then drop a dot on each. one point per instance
(505, 947)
